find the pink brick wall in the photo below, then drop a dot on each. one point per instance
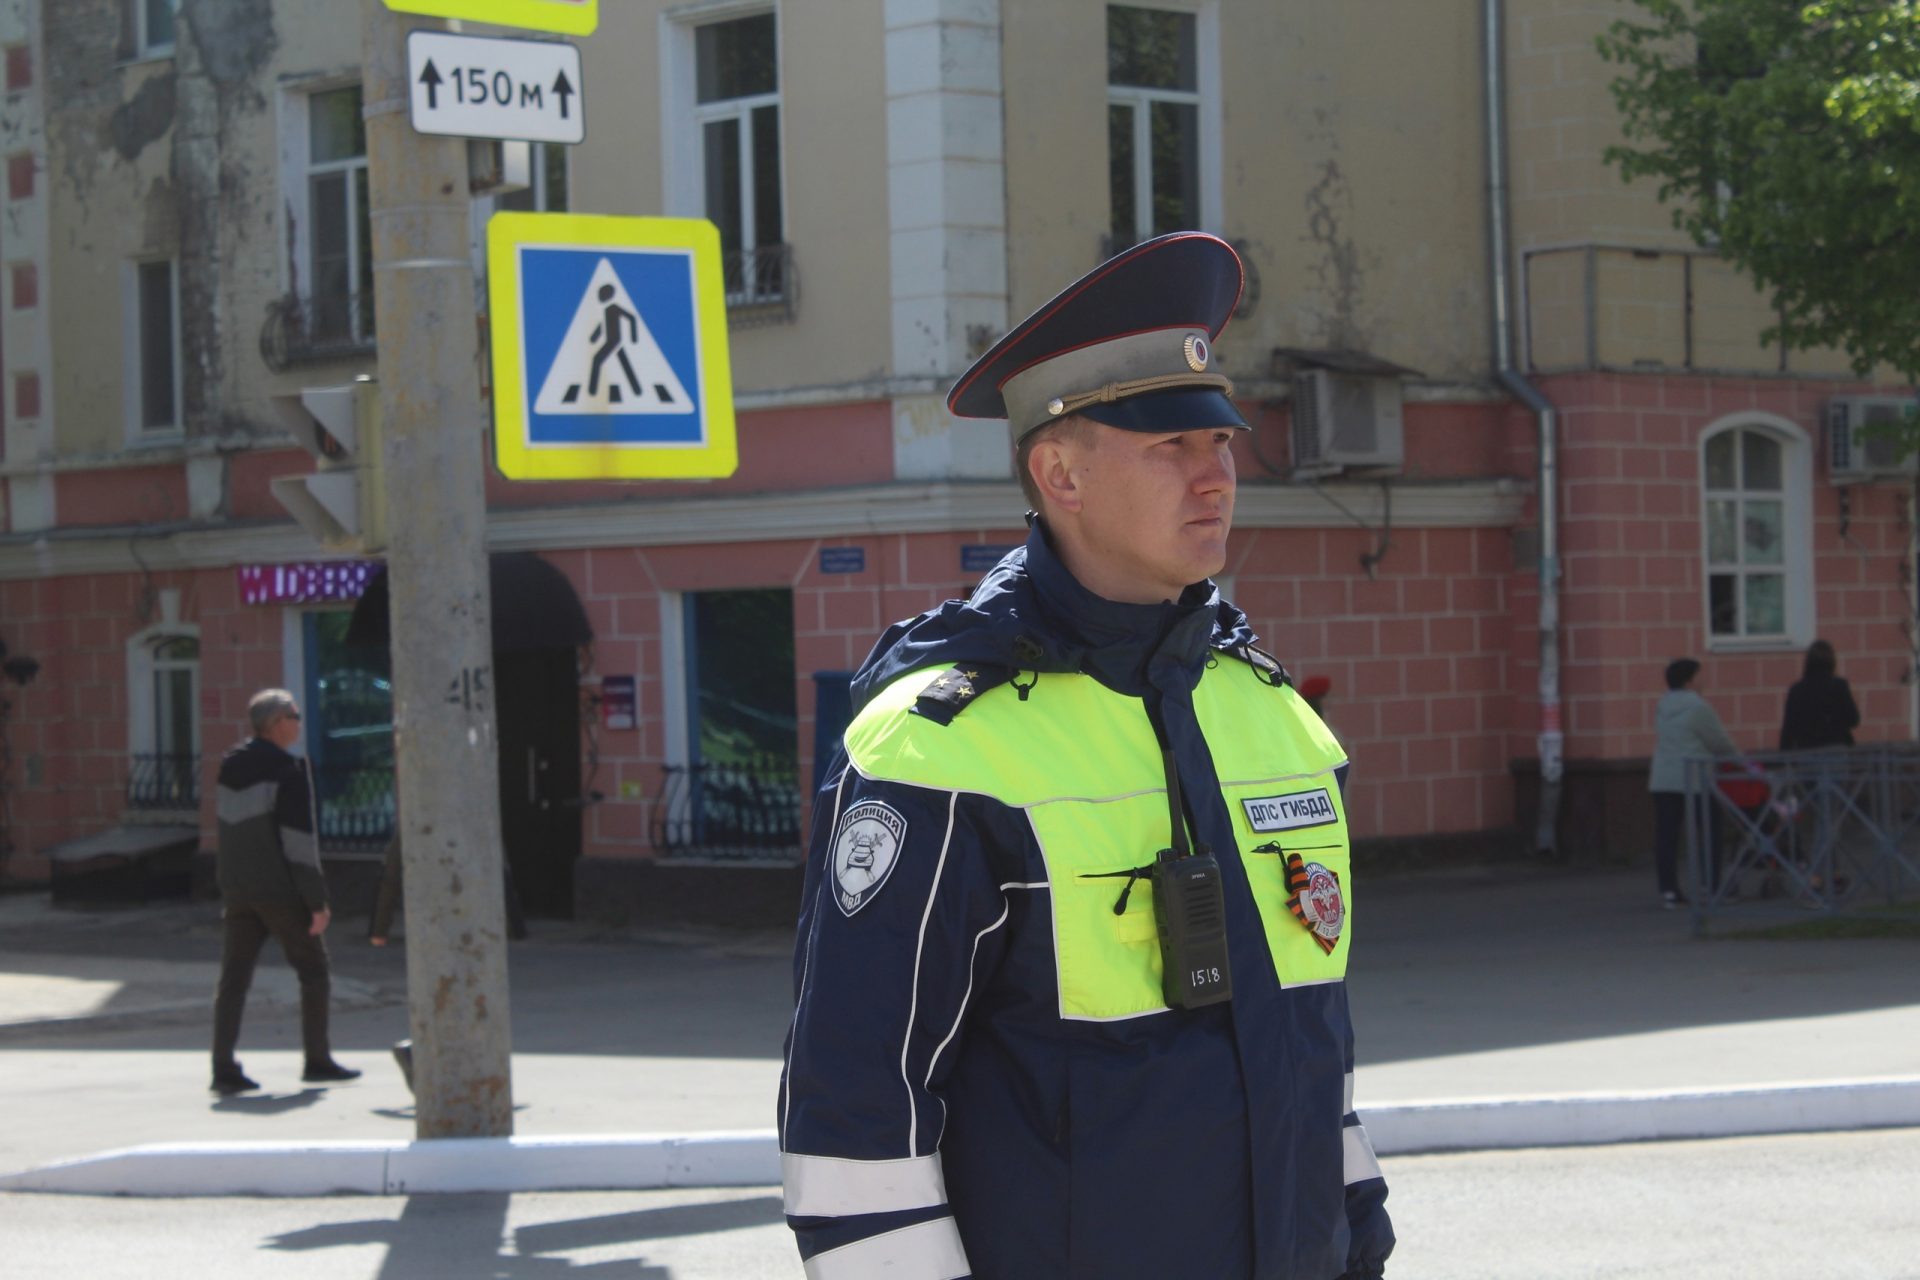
(1632, 568)
(129, 495)
(1432, 660)
(1418, 656)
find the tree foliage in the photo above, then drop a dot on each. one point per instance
(1787, 134)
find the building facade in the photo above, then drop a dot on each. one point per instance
(185, 237)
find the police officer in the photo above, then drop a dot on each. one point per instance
(1071, 957)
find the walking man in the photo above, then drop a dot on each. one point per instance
(1070, 973)
(270, 879)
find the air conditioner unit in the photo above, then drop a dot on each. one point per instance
(1854, 455)
(1345, 420)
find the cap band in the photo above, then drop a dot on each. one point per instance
(1103, 372)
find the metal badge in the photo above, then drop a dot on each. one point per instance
(1197, 354)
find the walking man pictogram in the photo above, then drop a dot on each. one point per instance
(617, 327)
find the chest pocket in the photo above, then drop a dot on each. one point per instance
(1293, 842)
(1108, 961)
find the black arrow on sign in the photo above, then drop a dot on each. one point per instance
(563, 89)
(430, 77)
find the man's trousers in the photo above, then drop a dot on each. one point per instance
(247, 929)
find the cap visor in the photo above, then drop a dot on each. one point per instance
(1182, 409)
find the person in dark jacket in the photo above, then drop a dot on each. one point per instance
(271, 883)
(1069, 977)
(1820, 709)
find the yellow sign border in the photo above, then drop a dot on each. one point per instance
(719, 457)
(533, 15)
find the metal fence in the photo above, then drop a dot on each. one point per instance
(1832, 830)
(356, 808)
(729, 813)
(163, 782)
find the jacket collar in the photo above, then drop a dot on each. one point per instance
(1127, 647)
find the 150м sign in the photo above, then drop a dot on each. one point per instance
(482, 87)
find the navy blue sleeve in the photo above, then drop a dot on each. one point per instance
(900, 922)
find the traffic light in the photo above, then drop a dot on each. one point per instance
(342, 503)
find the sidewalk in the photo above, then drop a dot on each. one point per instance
(1498, 986)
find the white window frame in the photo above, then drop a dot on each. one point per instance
(133, 348)
(686, 118)
(1796, 479)
(143, 669)
(296, 190)
(143, 48)
(1206, 50)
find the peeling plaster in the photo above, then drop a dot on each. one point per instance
(143, 119)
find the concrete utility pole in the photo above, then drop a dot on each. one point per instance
(441, 619)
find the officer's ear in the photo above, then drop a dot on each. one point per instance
(1053, 461)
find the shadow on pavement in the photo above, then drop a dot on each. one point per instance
(467, 1236)
(1498, 956)
(650, 1224)
(269, 1104)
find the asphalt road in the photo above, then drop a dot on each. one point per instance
(1801, 1207)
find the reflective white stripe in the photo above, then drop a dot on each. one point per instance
(832, 1187)
(1346, 1105)
(913, 1002)
(960, 1016)
(925, 1251)
(1359, 1159)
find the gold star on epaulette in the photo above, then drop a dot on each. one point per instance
(972, 675)
(941, 683)
(966, 691)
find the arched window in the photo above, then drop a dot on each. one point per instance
(1755, 475)
(163, 718)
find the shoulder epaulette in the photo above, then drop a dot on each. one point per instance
(956, 688)
(1266, 665)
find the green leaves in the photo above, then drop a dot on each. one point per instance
(1788, 134)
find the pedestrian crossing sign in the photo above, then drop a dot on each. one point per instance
(609, 348)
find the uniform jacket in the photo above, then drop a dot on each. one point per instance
(1684, 725)
(982, 1077)
(1820, 712)
(269, 855)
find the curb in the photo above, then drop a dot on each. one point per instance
(749, 1158)
(617, 1162)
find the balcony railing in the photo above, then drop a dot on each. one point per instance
(356, 808)
(1596, 306)
(158, 782)
(729, 813)
(311, 330)
(761, 285)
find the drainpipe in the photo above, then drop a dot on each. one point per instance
(1547, 486)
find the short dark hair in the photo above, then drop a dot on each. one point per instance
(1681, 670)
(1073, 426)
(1821, 661)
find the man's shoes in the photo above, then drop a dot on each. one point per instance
(328, 1072)
(1672, 901)
(228, 1083)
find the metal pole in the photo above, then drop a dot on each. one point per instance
(1550, 743)
(441, 620)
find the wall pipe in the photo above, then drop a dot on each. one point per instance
(1550, 742)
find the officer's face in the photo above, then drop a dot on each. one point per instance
(1153, 509)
